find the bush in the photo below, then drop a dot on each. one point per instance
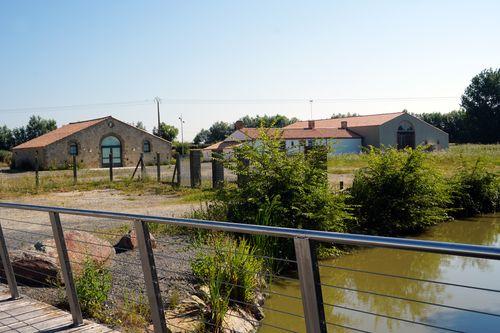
(476, 191)
(398, 193)
(93, 285)
(5, 157)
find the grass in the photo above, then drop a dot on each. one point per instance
(446, 161)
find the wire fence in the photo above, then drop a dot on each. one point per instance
(306, 296)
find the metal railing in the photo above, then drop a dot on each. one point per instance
(305, 242)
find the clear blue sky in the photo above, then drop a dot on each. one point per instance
(56, 53)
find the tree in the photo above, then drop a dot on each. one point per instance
(140, 125)
(219, 131)
(344, 115)
(481, 101)
(201, 137)
(267, 121)
(167, 132)
(38, 126)
(6, 138)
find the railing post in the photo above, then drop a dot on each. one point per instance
(150, 277)
(75, 172)
(143, 169)
(7, 267)
(69, 283)
(310, 288)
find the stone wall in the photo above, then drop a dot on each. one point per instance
(56, 155)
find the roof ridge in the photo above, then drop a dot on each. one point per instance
(86, 121)
(358, 116)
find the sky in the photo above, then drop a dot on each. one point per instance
(220, 60)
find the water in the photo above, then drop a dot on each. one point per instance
(483, 273)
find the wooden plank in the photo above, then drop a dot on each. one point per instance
(26, 315)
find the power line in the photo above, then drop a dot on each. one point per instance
(221, 101)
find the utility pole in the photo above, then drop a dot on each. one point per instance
(182, 134)
(311, 108)
(158, 100)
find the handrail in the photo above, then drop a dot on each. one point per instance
(466, 250)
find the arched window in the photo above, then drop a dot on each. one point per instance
(111, 145)
(146, 146)
(406, 135)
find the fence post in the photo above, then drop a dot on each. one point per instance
(310, 288)
(195, 167)
(178, 162)
(150, 276)
(37, 171)
(217, 170)
(69, 283)
(111, 166)
(158, 168)
(143, 170)
(75, 176)
(7, 267)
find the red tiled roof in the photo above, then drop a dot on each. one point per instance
(358, 121)
(222, 145)
(58, 134)
(302, 133)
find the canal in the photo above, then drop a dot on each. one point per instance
(360, 299)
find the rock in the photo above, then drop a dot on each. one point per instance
(239, 320)
(36, 270)
(81, 246)
(256, 311)
(129, 242)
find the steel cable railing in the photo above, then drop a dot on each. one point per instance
(307, 266)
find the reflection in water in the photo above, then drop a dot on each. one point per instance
(469, 271)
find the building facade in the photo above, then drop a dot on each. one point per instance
(92, 142)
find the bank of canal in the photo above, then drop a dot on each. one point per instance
(484, 230)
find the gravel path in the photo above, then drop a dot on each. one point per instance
(173, 254)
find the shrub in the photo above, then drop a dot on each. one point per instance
(398, 193)
(93, 285)
(134, 311)
(282, 189)
(476, 191)
(5, 157)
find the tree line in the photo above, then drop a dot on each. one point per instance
(478, 119)
(221, 129)
(36, 126)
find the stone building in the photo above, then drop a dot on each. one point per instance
(92, 141)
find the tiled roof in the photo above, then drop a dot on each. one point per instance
(58, 134)
(302, 133)
(358, 121)
(222, 145)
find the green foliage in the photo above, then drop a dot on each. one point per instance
(296, 185)
(6, 138)
(134, 312)
(476, 191)
(481, 101)
(93, 285)
(168, 132)
(267, 121)
(398, 193)
(140, 125)
(5, 157)
(344, 115)
(234, 263)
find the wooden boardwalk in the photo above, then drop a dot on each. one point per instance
(27, 315)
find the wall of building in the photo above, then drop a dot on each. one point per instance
(425, 134)
(370, 134)
(26, 158)
(89, 146)
(338, 146)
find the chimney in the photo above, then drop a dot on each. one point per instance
(239, 125)
(310, 124)
(343, 124)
